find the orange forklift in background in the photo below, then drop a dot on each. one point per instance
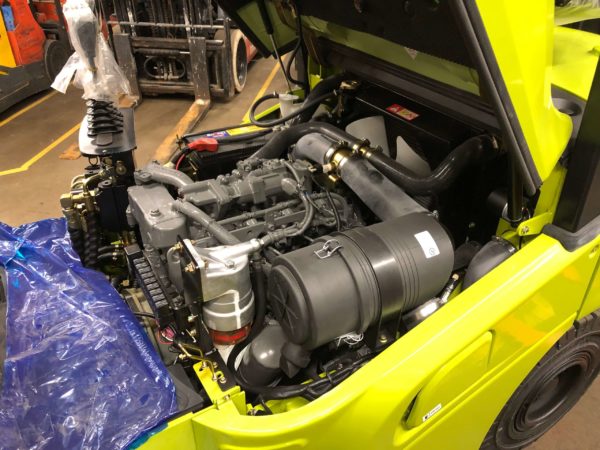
(34, 46)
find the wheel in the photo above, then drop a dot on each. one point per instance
(239, 60)
(56, 55)
(551, 388)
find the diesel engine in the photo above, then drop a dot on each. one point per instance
(294, 250)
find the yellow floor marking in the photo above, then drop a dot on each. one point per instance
(263, 88)
(41, 154)
(28, 107)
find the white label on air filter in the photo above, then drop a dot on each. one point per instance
(427, 243)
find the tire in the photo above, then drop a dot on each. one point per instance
(551, 389)
(239, 60)
(56, 55)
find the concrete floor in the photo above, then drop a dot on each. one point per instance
(32, 194)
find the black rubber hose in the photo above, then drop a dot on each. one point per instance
(110, 248)
(336, 214)
(282, 140)
(325, 86)
(310, 105)
(109, 257)
(143, 314)
(288, 66)
(299, 45)
(443, 175)
(260, 304)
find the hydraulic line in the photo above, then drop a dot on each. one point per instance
(299, 45)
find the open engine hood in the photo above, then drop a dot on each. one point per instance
(492, 57)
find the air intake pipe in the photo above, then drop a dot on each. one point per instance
(440, 179)
(384, 198)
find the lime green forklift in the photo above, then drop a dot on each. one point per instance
(403, 255)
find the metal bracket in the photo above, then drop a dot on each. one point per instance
(329, 248)
(534, 225)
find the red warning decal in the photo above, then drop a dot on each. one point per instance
(401, 111)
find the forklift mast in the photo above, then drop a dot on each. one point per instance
(180, 46)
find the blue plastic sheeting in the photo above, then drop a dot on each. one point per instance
(80, 373)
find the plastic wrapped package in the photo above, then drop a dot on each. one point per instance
(79, 371)
(92, 67)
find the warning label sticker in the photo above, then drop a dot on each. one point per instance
(401, 111)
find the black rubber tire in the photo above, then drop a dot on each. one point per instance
(56, 55)
(551, 389)
(239, 60)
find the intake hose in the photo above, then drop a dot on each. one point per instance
(382, 196)
(441, 178)
(164, 175)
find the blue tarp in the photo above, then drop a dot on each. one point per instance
(80, 373)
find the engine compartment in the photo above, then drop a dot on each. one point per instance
(284, 257)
